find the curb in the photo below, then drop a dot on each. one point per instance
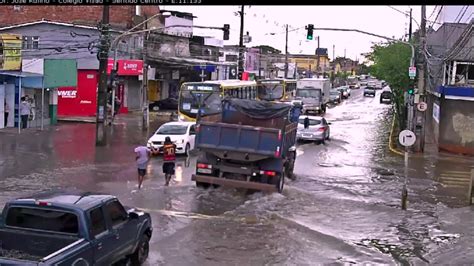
(390, 140)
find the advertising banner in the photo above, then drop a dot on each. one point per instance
(10, 52)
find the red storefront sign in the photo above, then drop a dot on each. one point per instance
(80, 100)
(126, 67)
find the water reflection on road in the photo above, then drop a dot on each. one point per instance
(343, 207)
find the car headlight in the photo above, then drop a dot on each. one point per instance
(181, 117)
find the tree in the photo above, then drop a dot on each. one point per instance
(391, 62)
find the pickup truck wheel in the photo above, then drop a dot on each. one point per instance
(141, 254)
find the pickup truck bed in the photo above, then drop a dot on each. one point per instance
(39, 244)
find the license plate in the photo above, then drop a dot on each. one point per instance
(204, 171)
(307, 136)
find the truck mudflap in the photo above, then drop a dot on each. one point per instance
(234, 183)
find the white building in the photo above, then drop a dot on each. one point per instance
(453, 14)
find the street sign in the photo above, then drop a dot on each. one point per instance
(412, 72)
(422, 106)
(407, 138)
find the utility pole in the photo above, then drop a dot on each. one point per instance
(317, 59)
(419, 123)
(103, 55)
(260, 63)
(241, 44)
(286, 53)
(410, 27)
(146, 110)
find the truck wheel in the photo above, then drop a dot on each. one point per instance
(141, 253)
(280, 183)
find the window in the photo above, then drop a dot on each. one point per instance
(312, 122)
(116, 212)
(97, 221)
(39, 219)
(192, 130)
(30, 42)
(230, 58)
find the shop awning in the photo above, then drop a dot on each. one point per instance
(29, 80)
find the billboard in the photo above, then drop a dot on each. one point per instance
(10, 51)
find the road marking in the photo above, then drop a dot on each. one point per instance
(458, 172)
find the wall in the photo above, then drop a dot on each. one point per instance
(55, 36)
(452, 13)
(160, 45)
(120, 15)
(456, 130)
(432, 126)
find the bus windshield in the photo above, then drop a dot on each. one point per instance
(208, 95)
(270, 91)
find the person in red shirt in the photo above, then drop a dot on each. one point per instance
(169, 158)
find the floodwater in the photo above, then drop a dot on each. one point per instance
(343, 208)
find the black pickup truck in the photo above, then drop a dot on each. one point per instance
(59, 228)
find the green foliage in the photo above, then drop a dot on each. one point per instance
(391, 62)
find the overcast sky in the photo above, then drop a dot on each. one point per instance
(260, 21)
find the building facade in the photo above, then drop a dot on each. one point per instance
(450, 87)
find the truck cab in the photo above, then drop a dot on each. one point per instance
(72, 229)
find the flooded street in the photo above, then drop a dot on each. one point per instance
(344, 206)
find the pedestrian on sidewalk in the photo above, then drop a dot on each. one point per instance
(143, 155)
(169, 158)
(6, 110)
(25, 110)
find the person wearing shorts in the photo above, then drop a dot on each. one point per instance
(143, 155)
(169, 158)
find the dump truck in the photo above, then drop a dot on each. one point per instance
(252, 146)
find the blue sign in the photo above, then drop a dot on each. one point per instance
(206, 68)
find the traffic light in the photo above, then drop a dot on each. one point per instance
(411, 90)
(310, 28)
(226, 31)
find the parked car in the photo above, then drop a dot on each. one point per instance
(64, 228)
(369, 91)
(317, 131)
(386, 96)
(165, 104)
(335, 96)
(181, 133)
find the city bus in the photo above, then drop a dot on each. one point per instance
(210, 94)
(282, 90)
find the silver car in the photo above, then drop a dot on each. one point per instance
(317, 130)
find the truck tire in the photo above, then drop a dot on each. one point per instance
(280, 182)
(290, 166)
(141, 253)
